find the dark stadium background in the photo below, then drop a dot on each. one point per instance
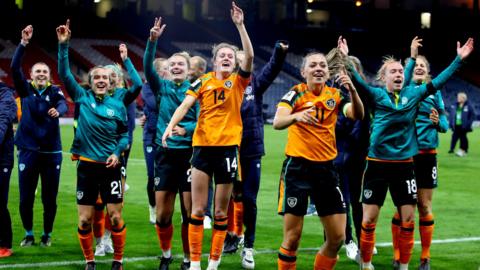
(374, 28)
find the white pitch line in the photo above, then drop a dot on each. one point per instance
(261, 251)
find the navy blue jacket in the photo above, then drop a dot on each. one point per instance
(150, 109)
(37, 131)
(252, 115)
(468, 116)
(8, 113)
(131, 113)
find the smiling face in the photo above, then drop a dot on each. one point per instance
(225, 61)
(116, 76)
(100, 80)
(178, 68)
(40, 75)
(421, 70)
(161, 66)
(315, 69)
(393, 76)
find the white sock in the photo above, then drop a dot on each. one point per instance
(403, 266)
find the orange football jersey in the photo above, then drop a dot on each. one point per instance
(219, 122)
(313, 142)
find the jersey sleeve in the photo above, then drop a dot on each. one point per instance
(289, 99)
(243, 78)
(195, 88)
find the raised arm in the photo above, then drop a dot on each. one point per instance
(150, 73)
(19, 80)
(74, 90)
(238, 18)
(135, 89)
(353, 73)
(354, 109)
(180, 112)
(410, 65)
(462, 53)
(270, 71)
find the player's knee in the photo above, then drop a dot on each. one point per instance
(85, 222)
(199, 212)
(116, 219)
(424, 210)
(291, 242)
(335, 241)
(164, 220)
(220, 213)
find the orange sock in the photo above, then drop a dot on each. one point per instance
(119, 235)
(218, 237)
(427, 226)
(396, 222)
(238, 217)
(367, 241)
(287, 259)
(108, 223)
(85, 236)
(195, 237)
(98, 223)
(405, 241)
(165, 234)
(231, 217)
(323, 262)
(186, 247)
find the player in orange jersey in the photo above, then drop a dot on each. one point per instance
(216, 138)
(309, 111)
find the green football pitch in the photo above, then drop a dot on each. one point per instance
(456, 208)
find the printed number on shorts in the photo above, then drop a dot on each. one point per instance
(412, 186)
(189, 174)
(434, 173)
(116, 187)
(231, 165)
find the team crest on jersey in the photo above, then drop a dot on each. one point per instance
(156, 181)
(47, 98)
(228, 84)
(248, 90)
(110, 112)
(93, 105)
(149, 149)
(79, 195)
(404, 100)
(5, 170)
(61, 93)
(331, 103)
(292, 201)
(21, 166)
(367, 193)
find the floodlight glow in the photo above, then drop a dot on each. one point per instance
(309, 10)
(426, 20)
(310, 1)
(358, 3)
(97, 1)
